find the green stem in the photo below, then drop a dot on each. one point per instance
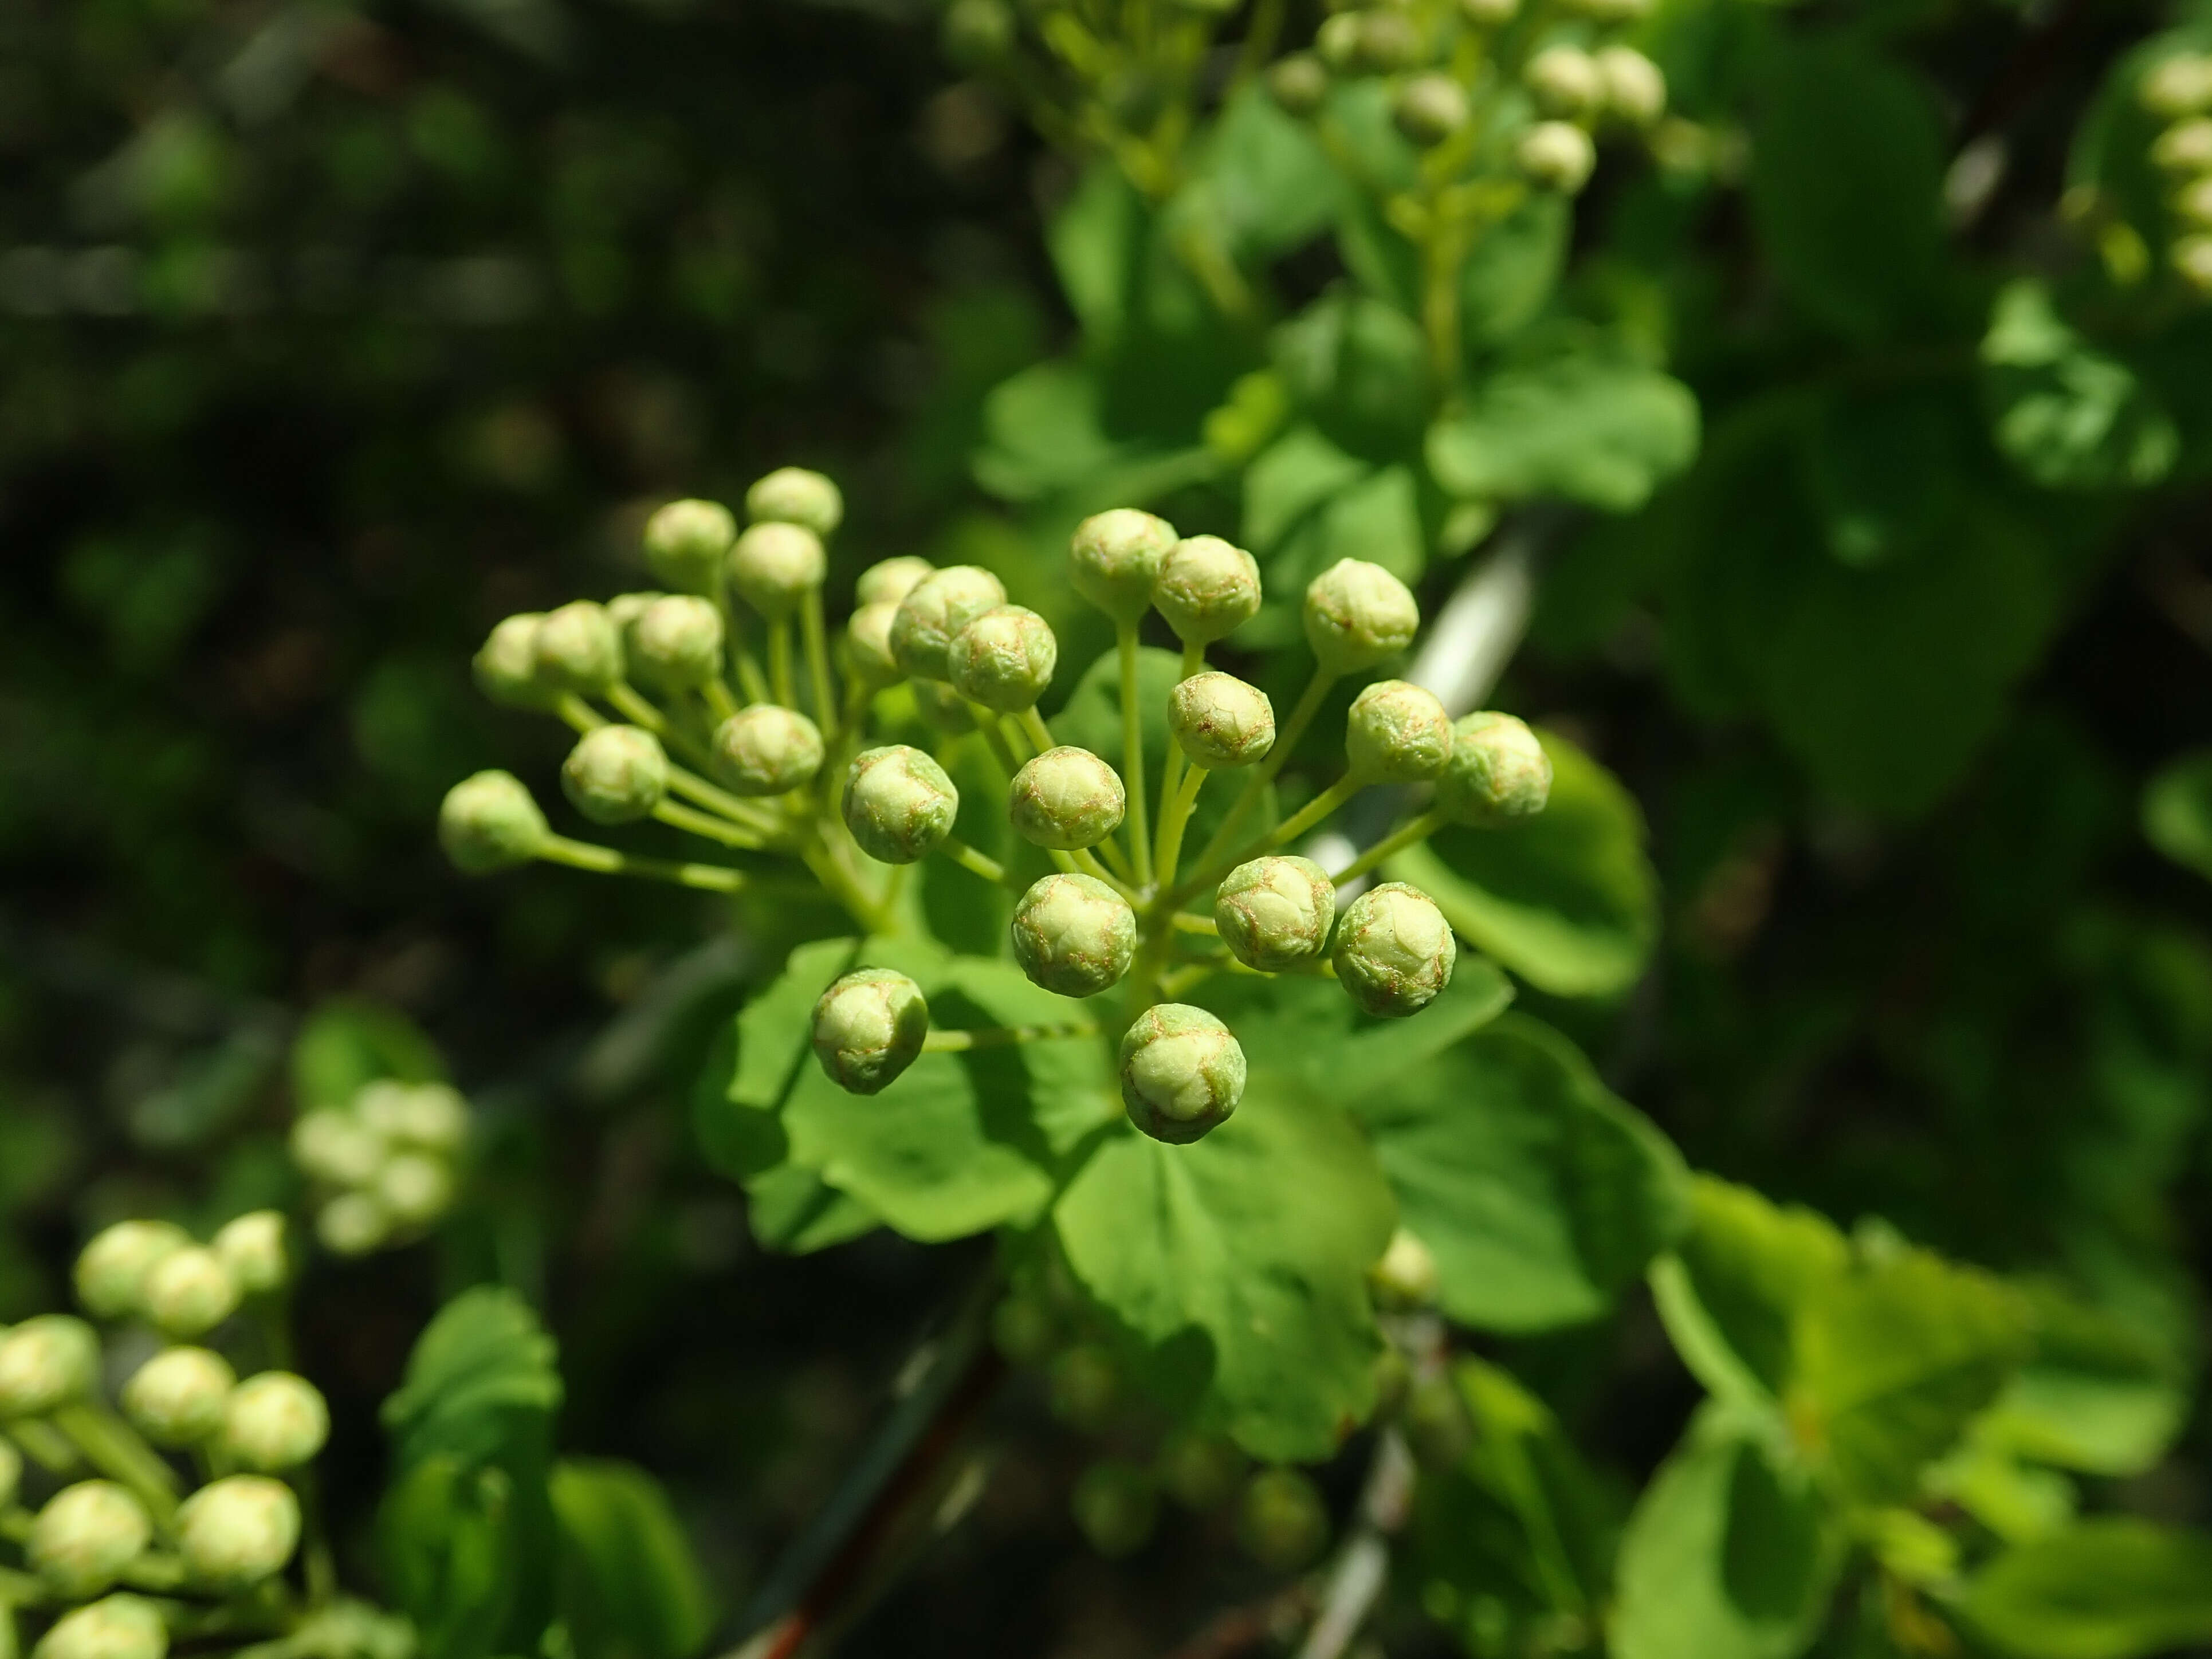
(1133, 754)
(779, 661)
(746, 814)
(816, 636)
(750, 678)
(42, 1445)
(1310, 814)
(1195, 923)
(580, 715)
(1171, 765)
(719, 700)
(1174, 818)
(941, 1042)
(606, 862)
(821, 857)
(1038, 732)
(19, 1588)
(712, 828)
(982, 864)
(1286, 738)
(1087, 862)
(112, 1446)
(639, 711)
(995, 735)
(1419, 829)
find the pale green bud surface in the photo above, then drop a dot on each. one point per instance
(685, 542)
(177, 1399)
(868, 1029)
(1282, 1522)
(1565, 81)
(352, 1223)
(929, 617)
(1299, 83)
(1181, 1072)
(1356, 615)
(898, 803)
(626, 608)
(616, 774)
(2193, 261)
(111, 1271)
(2177, 86)
(1397, 732)
(275, 1421)
(773, 564)
(189, 1291)
(792, 494)
(252, 1247)
(11, 1472)
(1395, 951)
(579, 648)
(1114, 1507)
(47, 1361)
(2193, 204)
(1114, 558)
(1404, 1276)
(1074, 934)
(1556, 154)
(1220, 722)
(1635, 88)
(675, 641)
(942, 707)
(239, 1530)
(119, 1626)
(868, 645)
(86, 1536)
(414, 1189)
(430, 1116)
(1066, 798)
(1004, 660)
(1274, 913)
(336, 1147)
(1498, 771)
(888, 581)
(767, 749)
(505, 663)
(1388, 41)
(1208, 588)
(1430, 108)
(1489, 14)
(1336, 42)
(2186, 147)
(489, 821)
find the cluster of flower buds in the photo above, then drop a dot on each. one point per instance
(2178, 91)
(385, 1164)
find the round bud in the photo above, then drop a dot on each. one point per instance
(977, 33)
(1556, 154)
(1489, 14)
(119, 1626)
(1498, 771)
(352, 1223)
(1431, 108)
(112, 1270)
(942, 708)
(1274, 913)
(2193, 204)
(1074, 934)
(1336, 42)
(11, 1472)
(773, 566)
(1389, 40)
(275, 1421)
(1114, 1508)
(2177, 86)
(941, 605)
(579, 648)
(685, 542)
(1405, 1277)
(1299, 83)
(767, 749)
(1356, 615)
(626, 608)
(1085, 1387)
(177, 1398)
(615, 773)
(2186, 147)
(489, 821)
(792, 495)
(430, 1116)
(189, 1291)
(898, 803)
(1635, 88)
(1565, 81)
(414, 1189)
(1201, 1471)
(1114, 557)
(1397, 732)
(505, 663)
(47, 1361)
(252, 1246)
(888, 581)
(1207, 589)
(868, 1028)
(336, 1147)
(238, 1531)
(1395, 951)
(1066, 798)
(1281, 1522)
(675, 641)
(1023, 1327)
(2192, 262)
(868, 645)
(86, 1536)
(1004, 659)
(1181, 1072)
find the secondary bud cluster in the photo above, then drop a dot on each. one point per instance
(386, 1163)
(154, 1270)
(2177, 90)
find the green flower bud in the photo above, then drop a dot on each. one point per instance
(676, 641)
(1004, 659)
(2192, 262)
(119, 1626)
(767, 749)
(352, 1223)
(2177, 86)
(429, 1115)
(1281, 1522)
(1023, 1327)
(942, 708)
(1498, 771)
(888, 581)
(239, 1530)
(868, 1028)
(940, 605)
(1114, 1508)
(1431, 108)
(2186, 147)
(1389, 42)
(792, 495)
(1336, 42)
(898, 803)
(1395, 951)
(189, 1291)
(1114, 558)
(625, 609)
(1066, 798)
(275, 1421)
(413, 1190)
(1356, 615)
(489, 821)
(1274, 913)
(1397, 732)
(1085, 1387)
(1181, 1072)
(774, 565)
(86, 1537)
(336, 1147)
(1219, 722)
(2193, 204)
(47, 1361)
(1556, 154)
(615, 773)
(11, 1472)
(1207, 589)
(1489, 14)
(977, 33)
(579, 648)
(505, 663)
(1074, 934)
(112, 1270)
(1200, 1471)
(1635, 88)
(177, 1399)
(685, 542)
(1406, 1275)
(868, 645)
(1299, 83)
(1565, 81)
(252, 1246)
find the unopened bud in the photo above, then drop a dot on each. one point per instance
(2192, 204)
(977, 33)
(938, 607)
(2192, 262)
(413, 1189)
(1431, 108)
(1114, 558)
(111, 1271)
(11, 1472)
(239, 1530)
(1489, 14)
(1635, 89)
(1004, 660)
(888, 581)
(767, 749)
(943, 709)
(1066, 798)
(1074, 934)
(868, 645)
(1556, 154)
(1201, 1471)
(1498, 771)
(773, 566)
(336, 1147)
(189, 1291)
(2186, 147)
(2177, 86)
(1565, 81)
(1356, 615)
(47, 1361)
(505, 663)
(352, 1223)
(868, 1028)
(1275, 912)
(1085, 1387)
(615, 773)
(1299, 83)
(685, 542)
(177, 1399)
(252, 1246)
(1395, 951)
(119, 1626)
(1220, 722)
(579, 648)
(275, 1421)
(676, 641)
(430, 1116)
(1282, 1522)
(1336, 42)
(1207, 589)
(792, 495)
(489, 821)
(1389, 40)
(1405, 1277)
(898, 803)
(1181, 1072)
(86, 1536)
(1397, 732)
(625, 609)
(1114, 1508)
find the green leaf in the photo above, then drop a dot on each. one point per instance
(2097, 1396)
(1096, 241)
(1263, 181)
(1541, 1194)
(2068, 415)
(1258, 1238)
(1727, 1555)
(2107, 1589)
(1585, 427)
(1356, 367)
(482, 1379)
(346, 1043)
(2176, 812)
(1291, 481)
(1568, 899)
(630, 1587)
(446, 1547)
(1513, 269)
